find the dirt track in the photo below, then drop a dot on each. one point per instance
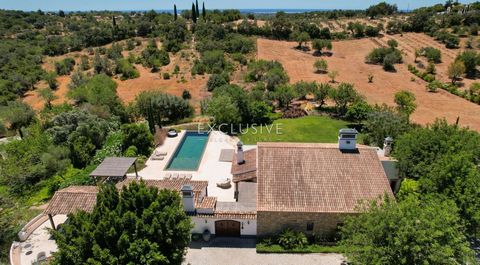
(348, 59)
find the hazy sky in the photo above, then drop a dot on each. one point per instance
(210, 4)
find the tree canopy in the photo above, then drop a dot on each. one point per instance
(412, 231)
(138, 225)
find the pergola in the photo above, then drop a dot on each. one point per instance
(115, 167)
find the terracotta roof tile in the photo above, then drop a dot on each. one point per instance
(230, 215)
(206, 203)
(250, 164)
(297, 177)
(170, 184)
(72, 199)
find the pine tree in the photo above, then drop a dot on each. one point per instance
(196, 9)
(204, 13)
(175, 12)
(194, 13)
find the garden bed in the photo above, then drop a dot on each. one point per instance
(264, 248)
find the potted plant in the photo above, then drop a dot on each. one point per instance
(206, 235)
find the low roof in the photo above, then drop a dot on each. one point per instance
(113, 167)
(84, 198)
(72, 199)
(169, 184)
(297, 177)
(247, 170)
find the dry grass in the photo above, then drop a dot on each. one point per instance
(348, 59)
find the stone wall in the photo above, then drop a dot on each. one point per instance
(273, 223)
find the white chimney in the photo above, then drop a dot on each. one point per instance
(347, 139)
(240, 156)
(188, 198)
(387, 146)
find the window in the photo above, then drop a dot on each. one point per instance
(310, 226)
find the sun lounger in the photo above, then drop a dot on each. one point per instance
(160, 153)
(175, 176)
(168, 176)
(188, 176)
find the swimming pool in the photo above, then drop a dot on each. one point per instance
(189, 153)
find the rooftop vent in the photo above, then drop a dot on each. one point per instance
(387, 146)
(347, 139)
(188, 198)
(240, 156)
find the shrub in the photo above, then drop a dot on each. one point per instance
(370, 78)
(166, 76)
(65, 66)
(290, 239)
(186, 94)
(321, 66)
(432, 54)
(377, 55)
(429, 78)
(388, 62)
(217, 80)
(319, 45)
(126, 69)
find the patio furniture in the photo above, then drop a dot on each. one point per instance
(224, 184)
(181, 176)
(175, 176)
(172, 133)
(160, 153)
(188, 176)
(41, 257)
(168, 176)
(160, 158)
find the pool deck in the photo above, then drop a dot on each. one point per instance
(210, 168)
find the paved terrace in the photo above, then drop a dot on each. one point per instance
(210, 168)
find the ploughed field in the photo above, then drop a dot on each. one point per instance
(349, 60)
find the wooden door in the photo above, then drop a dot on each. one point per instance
(227, 228)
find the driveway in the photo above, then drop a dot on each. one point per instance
(236, 251)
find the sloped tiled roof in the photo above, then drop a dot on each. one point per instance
(247, 170)
(169, 184)
(230, 215)
(295, 177)
(72, 199)
(206, 203)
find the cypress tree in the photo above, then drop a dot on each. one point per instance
(204, 13)
(175, 12)
(114, 30)
(194, 13)
(196, 8)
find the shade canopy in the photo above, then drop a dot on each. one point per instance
(116, 167)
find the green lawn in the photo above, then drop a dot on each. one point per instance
(312, 129)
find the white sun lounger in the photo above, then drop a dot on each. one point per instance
(168, 176)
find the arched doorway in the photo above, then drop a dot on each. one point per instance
(228, 228)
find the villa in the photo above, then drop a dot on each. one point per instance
(235, 190)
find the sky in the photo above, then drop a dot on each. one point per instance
(85, 5)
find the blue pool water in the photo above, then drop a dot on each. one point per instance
(189, 153)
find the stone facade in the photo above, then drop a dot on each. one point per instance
(273, 223)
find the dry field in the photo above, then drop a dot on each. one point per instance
(348, 59)
(129, 89)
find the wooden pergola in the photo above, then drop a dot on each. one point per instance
(115, 168)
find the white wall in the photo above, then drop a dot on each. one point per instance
(249, 226)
